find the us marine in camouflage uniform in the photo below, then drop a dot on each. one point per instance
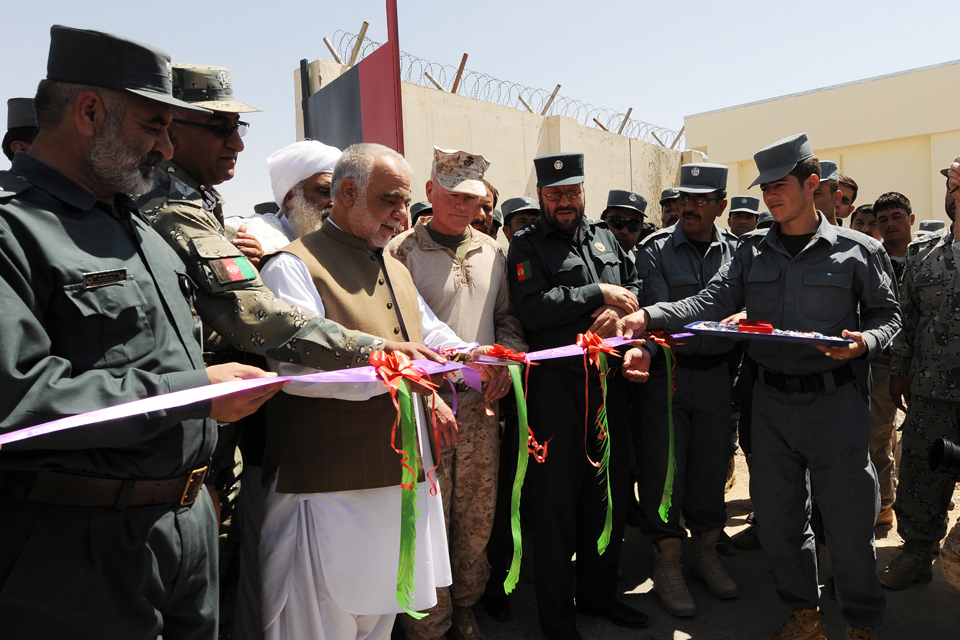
(925, 382)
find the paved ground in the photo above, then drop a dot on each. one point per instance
(923, 612)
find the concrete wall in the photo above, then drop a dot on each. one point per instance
(511, 138)
(891, 133)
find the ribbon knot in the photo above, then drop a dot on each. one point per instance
(499, 351)
(393, 368)
(593, 345)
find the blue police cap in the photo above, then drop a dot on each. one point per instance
(81, 56)
(702, 177)
(497, 219)
(745, 203)
(780, 158)
(422, 208)
(627, 200)
(766, 218)
(669, 194)
(559, 169)
(20, 113)
(829, 171)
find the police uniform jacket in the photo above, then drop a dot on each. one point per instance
(818, 290)
(237, 310)
(671, 269)
(928, 348)
(93, 316)
(554, 279)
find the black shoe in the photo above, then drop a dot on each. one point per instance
(619, 614)
(496, 603)
(725, 545)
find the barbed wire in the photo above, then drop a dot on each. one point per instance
(482, 86)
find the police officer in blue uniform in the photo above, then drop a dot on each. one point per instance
(811, 430)
(568, 274)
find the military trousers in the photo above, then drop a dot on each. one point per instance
(819, 439)
(468, 485)
(568, 499)
(248, 612)
(883, 434)
(76, 572)
(701, 422)
(923, 497)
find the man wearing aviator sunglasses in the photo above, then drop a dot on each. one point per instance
(624, 217)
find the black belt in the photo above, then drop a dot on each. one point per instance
(701, 363)
(75, 490)
(807, 384)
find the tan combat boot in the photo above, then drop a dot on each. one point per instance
(706, 565)
(914, 564)
(803, 624)
(464, 625)
(668, 579)
(861, 633)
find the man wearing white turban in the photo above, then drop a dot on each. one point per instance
(300, 176)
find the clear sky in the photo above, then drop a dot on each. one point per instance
(664, 59)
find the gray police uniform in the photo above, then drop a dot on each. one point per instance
(558, 291)
(94, 316)
(672, 269)
(809, 425)
(927, 351)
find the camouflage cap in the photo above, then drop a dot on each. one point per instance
(208, 87)
(459, 171)
(20, 113)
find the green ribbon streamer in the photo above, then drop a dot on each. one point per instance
(667, 500)
(408, 509)
(603, 472)
(522, 458)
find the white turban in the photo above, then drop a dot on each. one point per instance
(297, 162)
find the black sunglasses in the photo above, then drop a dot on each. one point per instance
(619, 222)
(222, 131)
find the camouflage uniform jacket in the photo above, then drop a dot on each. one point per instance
(237, 310)
(927, 350)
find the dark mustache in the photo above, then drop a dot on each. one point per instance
(152, 159)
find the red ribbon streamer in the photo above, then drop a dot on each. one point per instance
(592, 345)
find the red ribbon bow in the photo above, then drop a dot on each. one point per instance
(498, 351)
(593, 345)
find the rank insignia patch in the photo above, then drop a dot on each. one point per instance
(600, 246)
(524, 271)
(229, 270)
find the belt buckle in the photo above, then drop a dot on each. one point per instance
(793, 385)
(191, 490)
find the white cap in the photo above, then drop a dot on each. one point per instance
(297, 162)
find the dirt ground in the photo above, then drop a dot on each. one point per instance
(922, 612)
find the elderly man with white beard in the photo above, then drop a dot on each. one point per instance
(300, 176)
(330, 540)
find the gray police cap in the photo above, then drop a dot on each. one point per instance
(20, 113)
(745, 203)
(944, 172)
(669, 194)
(81, 56)
(627, 200)
(702, 177)
(765, 220)
(780, 158)
(929, 226)
(516, 205)
(829, 171)
(497, 219)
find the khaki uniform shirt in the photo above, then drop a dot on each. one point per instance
(473, 296)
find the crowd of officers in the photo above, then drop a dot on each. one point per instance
(94, 319)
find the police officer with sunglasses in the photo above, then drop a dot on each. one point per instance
(624, 217)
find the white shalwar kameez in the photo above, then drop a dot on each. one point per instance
(329, 560)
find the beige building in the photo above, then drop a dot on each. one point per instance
(511, 138)
(889, 133)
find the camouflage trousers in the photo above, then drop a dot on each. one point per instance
(468, 484)
(923, 497)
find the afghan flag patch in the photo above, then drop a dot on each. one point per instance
(524, 271)
(229, 270)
